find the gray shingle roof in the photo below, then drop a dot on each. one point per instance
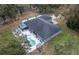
(43, 29)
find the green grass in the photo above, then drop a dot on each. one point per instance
(9, 45)
(59, 38)
(65, 43)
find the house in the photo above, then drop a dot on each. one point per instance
(39, 30)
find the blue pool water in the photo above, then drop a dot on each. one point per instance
(32, 42)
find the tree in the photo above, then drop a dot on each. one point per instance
(7, 11)
(73, 19)
(20, 9)
(2, 13)
(45, 8)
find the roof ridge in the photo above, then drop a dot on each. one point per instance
(45, 21)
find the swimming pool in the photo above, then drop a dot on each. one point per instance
(32, 42)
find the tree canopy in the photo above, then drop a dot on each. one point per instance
(45, 8)
(73, 19)
(10, 11)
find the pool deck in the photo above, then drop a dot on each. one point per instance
(32, 37)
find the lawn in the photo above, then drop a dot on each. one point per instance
(64, 44)
(59, 38)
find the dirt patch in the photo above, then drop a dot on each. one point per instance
(46, 50)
